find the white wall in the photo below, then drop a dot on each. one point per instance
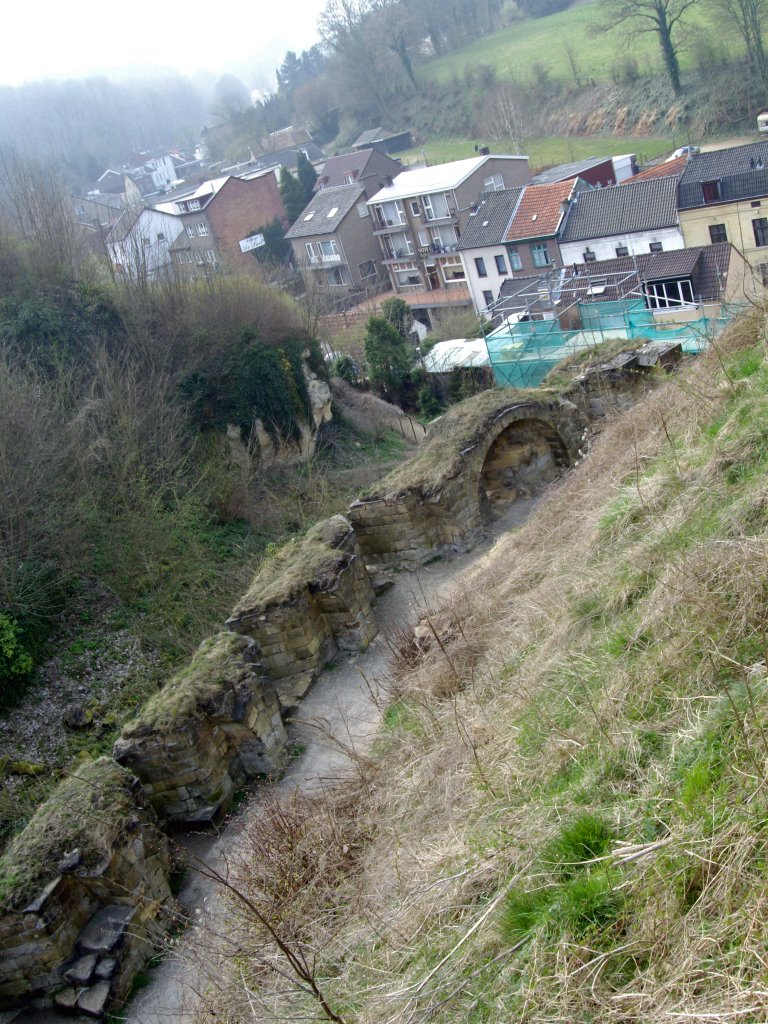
(494, 280)
(605, 248)
(137, 259)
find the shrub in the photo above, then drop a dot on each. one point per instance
(15, 659)
(387, 356)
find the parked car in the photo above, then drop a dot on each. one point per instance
(683, 151)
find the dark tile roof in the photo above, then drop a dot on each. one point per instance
(638, 206)
(706, 266)
(488, 225)
(540, 211)
(374, 135)
(289, 157)
(337, 168)
(327, 208)
(741, 171)
(572, 170)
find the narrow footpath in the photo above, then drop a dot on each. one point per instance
(339, 713)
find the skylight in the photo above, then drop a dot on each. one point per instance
(332, 212)
(309, 216)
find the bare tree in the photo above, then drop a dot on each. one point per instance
(748, 18)
(662, 18)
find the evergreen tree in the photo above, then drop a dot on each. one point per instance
(306, 174)
(398, 313)
(275, 250)
(292, 191)
(387, 356)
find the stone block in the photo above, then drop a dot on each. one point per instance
(93, 1001)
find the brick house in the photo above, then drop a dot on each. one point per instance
(217, 219)
(531, 240)
(333, 242)
(419, 217)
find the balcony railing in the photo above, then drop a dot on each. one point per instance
(437, 248)
(433, 215)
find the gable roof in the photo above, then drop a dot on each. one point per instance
(638, 206)
(540, 211)
(374, 135)
(665, 169)
(337, 168)
(326, 210)
(741, 171)
(438, 178)
(562, 172)
(488, 224)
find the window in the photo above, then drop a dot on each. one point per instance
(589, 256)
(332, 212)
(337, 276)
(487, 298)
(760, 228)
(622, 250)
(309, 216)
(424, 239)
(415, 208)
(710, 191)
(540, 254)
(501, 265)
(362, 210)
(349, 179)
(194, 204)
(310, 247)
(669, 294)
(145, 240)
(755, 204)
(199, 257)
(191, 230)
(436, 206)
(367, 270)
(407, 274)
(452, 269)
(202, 229)
(329, 250)
(717, 233)
(763, 268)
(480, 267)
(210, 256)
(493, 184)
(655, 247)
(160, 236)
(514, 259)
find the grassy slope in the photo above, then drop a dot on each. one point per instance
(567, 818)
(514, 51)
(544, 151)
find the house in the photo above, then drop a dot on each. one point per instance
(531, 239)
(685, 296)
(638, 218)
(218, 221)
(139, 244)
(481, 246)
(383, 140)
(723, 197)
(333, 242)
(366, 167)
(596, 171)
(419, 216)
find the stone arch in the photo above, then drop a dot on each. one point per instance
(524, 457)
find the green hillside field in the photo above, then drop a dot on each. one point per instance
(521, 50)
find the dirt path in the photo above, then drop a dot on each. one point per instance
(337, 713)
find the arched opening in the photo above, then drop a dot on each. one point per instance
(525, 457)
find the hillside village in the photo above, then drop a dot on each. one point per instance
(382, 536)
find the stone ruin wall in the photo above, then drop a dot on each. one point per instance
(190, 766)
(78, 944)
(300, 633)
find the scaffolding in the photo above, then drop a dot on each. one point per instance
(562, 314)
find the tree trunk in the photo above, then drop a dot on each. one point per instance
(668, 49)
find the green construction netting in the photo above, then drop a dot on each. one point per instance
(521, 355)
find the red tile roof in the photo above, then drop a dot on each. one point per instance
(540, 211)
(662, 170)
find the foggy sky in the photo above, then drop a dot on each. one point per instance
(51, 39)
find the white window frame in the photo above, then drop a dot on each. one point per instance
(539, 250)
(669, 294)
(311, 256)
(191, 230)
(514, 259)
(494, 184)
(194, 204)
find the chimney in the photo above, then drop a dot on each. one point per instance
(388, 181)
(484, 151)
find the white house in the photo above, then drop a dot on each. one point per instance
(628, 220)
(139, 243)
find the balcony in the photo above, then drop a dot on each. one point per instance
(436, 249)
(398, 254)
(448, 217)
(317, 261)
(381, 224)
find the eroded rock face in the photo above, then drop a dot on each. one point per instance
(214, 725)
(80, 938)
(311, 601)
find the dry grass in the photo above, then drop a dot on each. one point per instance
(609, 668)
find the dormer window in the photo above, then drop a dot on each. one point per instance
(589, 255)
(710, 191)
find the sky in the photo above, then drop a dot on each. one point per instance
(55, 39)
